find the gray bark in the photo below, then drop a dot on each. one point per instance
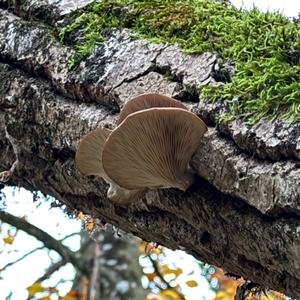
(242, 213)
(115, 273)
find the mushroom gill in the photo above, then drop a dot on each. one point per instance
(152, 148)
(88, 160)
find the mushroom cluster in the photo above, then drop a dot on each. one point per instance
(150, 148)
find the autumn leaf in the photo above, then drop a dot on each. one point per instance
(191, 283)
(35, 288)
(166, 270)
(147, 248)
(80, 216)
(221, 295)
(90, 224)
(71, 295)
(9, 240)
(168, 295)
(45, 298)
(151, 276)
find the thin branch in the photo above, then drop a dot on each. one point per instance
(22, 257)
(46, 239)
(52, 269)
(69, 235)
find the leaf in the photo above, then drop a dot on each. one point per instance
(166, 270)
(151, 276)
(191, 283)
(168, 295)
(90, 224)
(147, 248)
(35, 288)
(45, 298)
(80, 216)
(9, 240)
(71, 295)
(221, 295)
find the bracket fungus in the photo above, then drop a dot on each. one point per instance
(150, 148)
(89, 162)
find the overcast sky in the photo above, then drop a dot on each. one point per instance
(291, 8)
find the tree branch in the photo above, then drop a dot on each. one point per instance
(53, 268)
(22, 257)
(241, 214)
(45, 238)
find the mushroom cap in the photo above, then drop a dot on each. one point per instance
(146, 101)
(89, 162)
(152, 148)
(88, 157)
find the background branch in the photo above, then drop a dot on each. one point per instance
(45, 238)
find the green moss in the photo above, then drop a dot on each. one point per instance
(265, 47)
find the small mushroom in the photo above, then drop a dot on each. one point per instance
(88, 160)
(146, 101)
(152, 148)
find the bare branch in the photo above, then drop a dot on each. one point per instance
(45, 238)
(52, 269)
(22, 257)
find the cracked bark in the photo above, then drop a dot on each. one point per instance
(243, 211)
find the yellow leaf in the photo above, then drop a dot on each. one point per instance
(168, 295)
(80, 216)
(191, 283)
(35, 288)
(90, 224)
(166, 270)
(221, 295)
(45, 298)
(149, 247)
(9, 240)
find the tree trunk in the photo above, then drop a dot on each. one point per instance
(242, 214)
(114, 270)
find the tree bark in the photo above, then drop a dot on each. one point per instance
(241, 214)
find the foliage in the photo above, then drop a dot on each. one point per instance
(166, 280)
(264, 46)
(227, 287)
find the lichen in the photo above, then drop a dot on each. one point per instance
(264, 46)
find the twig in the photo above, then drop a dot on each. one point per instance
(21, 258)
(52, 269)
(46, 239)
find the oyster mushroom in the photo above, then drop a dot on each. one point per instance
(146, 101)
(152, 148)
(88, 160)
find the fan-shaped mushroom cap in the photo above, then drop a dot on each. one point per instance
(89, 162)
(146, 101)
(88, 157)
(152, 148)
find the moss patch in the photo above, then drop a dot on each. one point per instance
(265, 47)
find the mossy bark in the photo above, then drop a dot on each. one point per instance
(242, 213)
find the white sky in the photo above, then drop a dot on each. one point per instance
(21, 275)
(18, 277)
(290, 8)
